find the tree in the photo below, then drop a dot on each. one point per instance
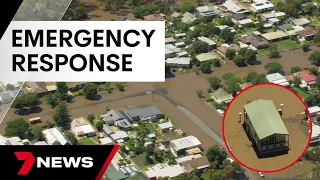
(149, 149)
(217, 62)
(148, 159)
(158, 157)
(9, 87)
(187, 7)
(230, 53)
(314, 70)
(62, 90)
(305, 47)
(216, 31)
(313, 99)
(90, 90)
(62, 115)
(205, 67)
(318, 117)
(187, 176)
(215, 154)
(309, 8)
(315, 57)
(91, 117)
(232, 85)
(29, 100)
(296, 81)
(318, 82)
(73, 140)
(16, 127)
(214, 82)
(36, 132)
(260, 27)
(227, 35)
(250, 56)
(273, 67)
(316, 38)
(120, 86)
(239, 60)
(227, 20)
(273, 51)
(227, 76)
(198, 47)
(295, 69)
(98, 124)
(199, 93)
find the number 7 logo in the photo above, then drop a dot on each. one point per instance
(29, 161)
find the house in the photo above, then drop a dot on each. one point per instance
(277, 78)
(301, 22)
(195, 152)
(123, 124)
(117, 175)
(224, 47)
(10, 141)
(41, 143)
(179, 62)
(148, 113)
(164, 170)
(212, 44)
(207, 57)
(179, 160)
(188, 17)
(307, 33)
(54, 136)
(255, 41)
(179, 44)
(267, 16)
(315, 136)
(234, 7)
(265, 127)
(165, 127)
(180, 35)
(170, 40)
(280, 15)
(106, 141)
(107, 129)
(82, 127)
(260, 6)
(314, 110)
(6, 97)
(182, 54)
(119, 135)
(307, 78)
(275, 36)
(154, 17)
(171, 50)
(175, 15)
(198, 164)
(221, 96)
(39, 88)
(241, 19)
(177, 146)
(112, 116)
(274, 21)
(207, 10)
(285, 27)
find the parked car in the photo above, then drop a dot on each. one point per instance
(261, 174)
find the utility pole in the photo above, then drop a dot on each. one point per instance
(240, 117)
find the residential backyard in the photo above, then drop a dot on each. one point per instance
(288, 44)
(301, 93)
(89, 141)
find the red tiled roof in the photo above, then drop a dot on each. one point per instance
(307, 76)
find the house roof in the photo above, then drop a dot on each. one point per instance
(165, 125)
(267, 15)
(83, 129)
(245, 85)
(265, 118)
(275, 77)
(285, 27)
(143, 112)
(154, 17)
(177, 60)
(175, 14)
(123, 123)
(222, 95)
(301, 21)
(79, 122)
(307, 31)
(239, 16)
(207, 56)
(188, 17)
(40, 143)
(37, 87)
(207, 40)
(315, 132)
(112, 115)
(274, 35)
(53, 134)
(197, 163)
(314, 109)
(167, 171)
(185, 142)
(119, 135)
(307, 76)
(107, 129)
(254, 40)
(105, 140)
(170, 40)
(233, 6)
(264, 4)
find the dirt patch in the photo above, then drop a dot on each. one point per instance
(239, 142)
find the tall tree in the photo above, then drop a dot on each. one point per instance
(16, 127)
(90, 90)
(62, 115)
(62, 90)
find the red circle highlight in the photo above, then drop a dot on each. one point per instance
(258, 170)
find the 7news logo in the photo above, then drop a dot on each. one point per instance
(51, 162)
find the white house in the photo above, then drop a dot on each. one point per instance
(165, 127)
(207, 10)
(182, 62)
(212, 44)
(234, 7)
(185, 143)
(315, 136)
(106, 141)
(277, 78)
(314, 110)
(81, 127)
(221, 96)
(164, 170)
(119, 135)
(188, 17)
(10, 141)
(260, 6)
(54, 137)
(7, 96)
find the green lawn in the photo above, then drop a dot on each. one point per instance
(89, 141)
(301, 93)
(263, 52)
(288, 44)
(151, 127)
